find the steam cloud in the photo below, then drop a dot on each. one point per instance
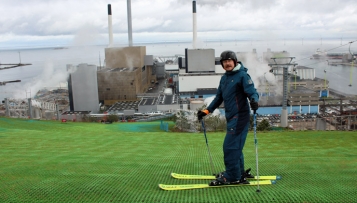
(49, 78)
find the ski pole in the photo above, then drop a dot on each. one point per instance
(256, 147)
(209, 152)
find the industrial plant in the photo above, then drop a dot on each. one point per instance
(134, 84)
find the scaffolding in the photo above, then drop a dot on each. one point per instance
(31, 108)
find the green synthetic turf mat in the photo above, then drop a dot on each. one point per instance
(49, 161)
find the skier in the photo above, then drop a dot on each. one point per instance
(234, 89)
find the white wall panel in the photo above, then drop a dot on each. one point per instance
(189, 83)
(200, 60)
(85, 88)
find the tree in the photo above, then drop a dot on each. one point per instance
(112, 118)
(182, 121)
(92, 119)
(263, 125)
(172, 118)
(215, 123)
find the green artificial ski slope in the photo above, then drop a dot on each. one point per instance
(50, 161)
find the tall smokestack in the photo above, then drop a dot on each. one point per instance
(130, 31)
(110, 25)
(194, 24)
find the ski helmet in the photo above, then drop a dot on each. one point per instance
(228, 55)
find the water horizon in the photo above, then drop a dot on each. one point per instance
(48, 67)
(285, 41)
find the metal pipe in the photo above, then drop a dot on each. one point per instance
(194, 24)
(130, 30)
(110, 25)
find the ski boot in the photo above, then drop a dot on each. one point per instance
(247, 173)
(221, 180)
(219, 174)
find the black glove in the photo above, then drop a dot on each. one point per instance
(254, 105)
(200, 115)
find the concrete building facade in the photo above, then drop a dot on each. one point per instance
(123, 84)
(125, 57)
(83, 88)
(126, 74)
(305, 72)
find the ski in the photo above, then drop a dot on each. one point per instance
(207, 177)
(200, 186)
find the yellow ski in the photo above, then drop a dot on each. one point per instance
(200, 186)
(206, 177)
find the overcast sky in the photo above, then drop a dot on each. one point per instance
(61, 22)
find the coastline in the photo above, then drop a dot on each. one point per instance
(50, 62)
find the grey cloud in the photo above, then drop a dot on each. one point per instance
(257, 4)
(58, 17)
(318, 7)
(53, 17)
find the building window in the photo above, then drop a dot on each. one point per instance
(108, 89)
(143, 69)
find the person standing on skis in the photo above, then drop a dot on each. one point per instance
(235, 88)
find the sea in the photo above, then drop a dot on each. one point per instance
(48, 65)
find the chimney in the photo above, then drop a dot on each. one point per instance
(110, 25)
(194, 24)
(130, 31)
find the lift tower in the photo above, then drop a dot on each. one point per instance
(284, 64)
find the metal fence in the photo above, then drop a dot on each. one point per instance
(346, 122)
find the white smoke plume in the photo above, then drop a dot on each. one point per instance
(50, 78)
(208, 101)
(87, 35)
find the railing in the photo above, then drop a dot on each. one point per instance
(154, 118)
(345, 122)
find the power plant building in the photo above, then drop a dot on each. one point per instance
(128, 72)
(83, 88)
(200, 71)
(305, 72)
